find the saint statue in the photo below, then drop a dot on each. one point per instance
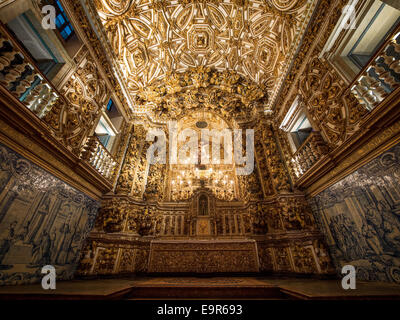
(203, 206)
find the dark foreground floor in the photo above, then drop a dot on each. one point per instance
(202, 288)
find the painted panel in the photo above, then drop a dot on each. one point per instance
(360, 216)
(42, 221)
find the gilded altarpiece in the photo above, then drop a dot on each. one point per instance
(269, 213)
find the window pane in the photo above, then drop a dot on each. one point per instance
(110, 105)
(68, 30)
(64, 34)
(60, 6)
(60, 21)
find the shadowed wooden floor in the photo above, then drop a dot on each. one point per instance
(202, 288)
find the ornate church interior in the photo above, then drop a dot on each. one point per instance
(304, 95)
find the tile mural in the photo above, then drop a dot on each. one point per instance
(42, 221)
(360, 216)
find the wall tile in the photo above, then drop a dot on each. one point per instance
(42, 221)
(360, 216)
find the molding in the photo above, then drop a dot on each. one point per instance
(185, 205)
(379, 132)
(97, 27)
(292, 115)
(119, 238)
(285, 238)
(86, 34)
(319, 26)
(26, 134)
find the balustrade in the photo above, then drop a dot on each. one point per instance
(99, 158)
(376, 82)
(22, 78)
(309, 153)
(380, 77)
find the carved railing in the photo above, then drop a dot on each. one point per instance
(22, 78)
(309, 153)
(99, 158)
(381, 76)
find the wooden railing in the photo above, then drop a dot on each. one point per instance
(99, 158)
(381, 76)
(20, 75)
(375, 83)
(309, 153)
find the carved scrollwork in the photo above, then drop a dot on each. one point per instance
(111, 216)
(149, 39)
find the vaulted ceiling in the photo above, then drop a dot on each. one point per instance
(153, 40)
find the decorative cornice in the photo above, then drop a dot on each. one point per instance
(26, 134)
(83, 27)
(119, 238)
(283, 238)
(323, 22)
(296, 47)
(379, 131)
